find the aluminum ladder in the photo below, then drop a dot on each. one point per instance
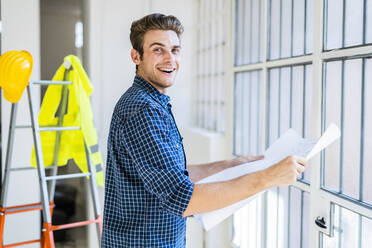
(46, 205)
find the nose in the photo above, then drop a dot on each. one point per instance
(169, 56)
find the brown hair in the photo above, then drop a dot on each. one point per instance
(152, 22)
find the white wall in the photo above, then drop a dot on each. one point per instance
(21, 31)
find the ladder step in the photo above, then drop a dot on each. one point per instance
(75, 224)
(22, 243)
(49, 82)
(68, 176)
(44, 129)
(49, 128)
(22, 208)
(30, 167)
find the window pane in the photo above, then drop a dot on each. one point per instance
(354, 22)
(333, 79)
(274, 29)
(287, 37)
(350, 230)
(247, 225)
(248, 29)
(285, 217)
(286, 21)
(298, 27)
(309, 25)
(345, 25)
(369, 22)
(352, 124)
(334, 19)
(247, 113)
(367, 161)
(347, 102)
(273, 113)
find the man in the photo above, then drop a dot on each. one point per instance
(149, 188)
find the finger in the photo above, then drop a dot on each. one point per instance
(301, 160)
(300, 168)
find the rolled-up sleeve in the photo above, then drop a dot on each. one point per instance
(157, 158)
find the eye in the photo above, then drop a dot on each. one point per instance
(176, 50)
(157, 50)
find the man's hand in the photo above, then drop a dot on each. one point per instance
(286, 171)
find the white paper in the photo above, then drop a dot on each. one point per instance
(290, 143)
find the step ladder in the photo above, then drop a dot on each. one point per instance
(46, 205)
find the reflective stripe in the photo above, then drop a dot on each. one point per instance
(94, 148)
(98, 167)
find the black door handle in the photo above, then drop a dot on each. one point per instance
(321, 222)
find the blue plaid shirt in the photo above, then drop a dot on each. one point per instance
(147, 185)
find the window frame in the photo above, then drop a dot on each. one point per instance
(317, 59)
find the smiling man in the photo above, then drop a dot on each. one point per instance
(149, 187)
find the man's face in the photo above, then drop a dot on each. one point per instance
(161, 56)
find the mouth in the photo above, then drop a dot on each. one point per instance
(166, 70)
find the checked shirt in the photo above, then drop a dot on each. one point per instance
(147, 187)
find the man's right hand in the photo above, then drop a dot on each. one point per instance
(286, 171)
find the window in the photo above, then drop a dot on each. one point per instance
(211, 67)
(303, 64)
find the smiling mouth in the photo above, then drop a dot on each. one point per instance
(167, 70)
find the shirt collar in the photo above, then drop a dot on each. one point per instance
(152, 91)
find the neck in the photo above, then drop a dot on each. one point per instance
(161, 89)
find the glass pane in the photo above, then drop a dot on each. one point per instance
(286, 217)
(247, 223)
(308, 111)
(366, 232)
(272, 217)
(334, 17)
(332, 102)
(350, 230)
(239, 29)
(347, 102)
(286, 29)
(309, 25)
(295, 212)
(275, 31)
(369, 22)
(367, 161)
(353, 22)
(285, 99)
(247, 113)
(298, 28)
(238, 115)
(249, 14)
(345, 25)
(273, 114)
(297, 98)
(367, 142)
(352, 124)
(290, 28)
(305, 219)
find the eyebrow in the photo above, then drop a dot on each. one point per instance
(161, 44)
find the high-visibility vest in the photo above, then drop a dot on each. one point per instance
(79, 113)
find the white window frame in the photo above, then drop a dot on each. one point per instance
(317, 58)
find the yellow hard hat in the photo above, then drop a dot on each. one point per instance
(15, 71)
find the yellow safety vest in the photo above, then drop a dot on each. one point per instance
(79, 113)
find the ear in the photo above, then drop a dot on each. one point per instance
(136, 58)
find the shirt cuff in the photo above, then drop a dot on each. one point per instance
(177, 202)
